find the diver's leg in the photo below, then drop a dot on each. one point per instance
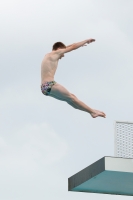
(61, 93)
(63, 100)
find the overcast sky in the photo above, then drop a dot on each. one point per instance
(44, 141)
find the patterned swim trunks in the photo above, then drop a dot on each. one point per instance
(46, 87)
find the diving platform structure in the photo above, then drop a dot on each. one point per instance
(109, 175)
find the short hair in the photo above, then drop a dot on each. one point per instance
(58, 45)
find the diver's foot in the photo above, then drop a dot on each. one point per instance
(97, 113)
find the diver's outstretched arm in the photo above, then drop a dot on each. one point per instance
(81, 44)
(74, 46)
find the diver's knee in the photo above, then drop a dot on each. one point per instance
(73, 98)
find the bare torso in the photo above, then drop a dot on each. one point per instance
(48, 67)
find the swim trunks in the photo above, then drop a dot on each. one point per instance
(46, 87)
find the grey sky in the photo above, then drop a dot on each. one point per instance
(44, 141)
